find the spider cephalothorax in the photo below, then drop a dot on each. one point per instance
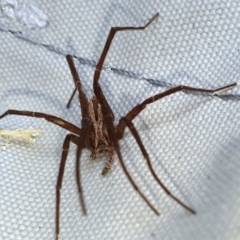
(98, 135)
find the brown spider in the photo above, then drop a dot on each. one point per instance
(98, 133)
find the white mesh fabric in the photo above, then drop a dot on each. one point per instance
(193, 139)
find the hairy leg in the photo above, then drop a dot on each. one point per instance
(114, 141)
(97, 89)
(137, 109)
(81, 145)
(79, 141)
(69, 138)
(78, 86)
(50, 118)
(71, 98)
(134, 132)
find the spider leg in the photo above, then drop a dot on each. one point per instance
(134, 132)
(69, 138)
(50, 118)
(81, 144)
(97, 89)
(113, 138)
(137, 109)
(78, 86)
(71, 98)
(79, 141)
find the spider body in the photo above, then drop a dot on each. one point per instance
(98, 132)
(98, 140)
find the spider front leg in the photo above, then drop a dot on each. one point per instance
(97, 89)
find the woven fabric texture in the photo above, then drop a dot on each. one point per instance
(193, 140)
